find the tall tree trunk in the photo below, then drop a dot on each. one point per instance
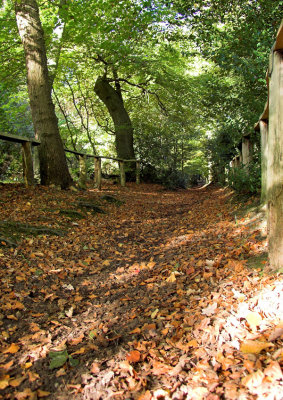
(53, 165)
(123, 127)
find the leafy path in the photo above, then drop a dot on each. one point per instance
(152, 300)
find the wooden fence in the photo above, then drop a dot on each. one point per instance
(270, 126)
(28, 170)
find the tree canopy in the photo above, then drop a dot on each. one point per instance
(191, 75)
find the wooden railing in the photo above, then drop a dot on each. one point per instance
(28, 170)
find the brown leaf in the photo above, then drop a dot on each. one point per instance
(26, 393)
(95, 368)
(42, 393)
(133, 356)
(77, 340)
(276, 333)
(159, 368)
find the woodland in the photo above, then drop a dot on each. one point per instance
(159, 288)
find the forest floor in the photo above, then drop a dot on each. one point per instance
(162, 297)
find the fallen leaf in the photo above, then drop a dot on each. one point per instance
(26, 393)
(17, 381)
(192, 343)
(136, 330)
(276, 333)
(171, 278)
(60, 372)
(7, 366)
(77, 340)
(154, 313)
(42, 393)
(80, 351)
(253, 380)
(210, 310)
(95, 368)
(58, 358)
(133, 356)
(254, 346)
(253, 319)
(14, 348)
(33, 376)
(4, 382)
(273, 371)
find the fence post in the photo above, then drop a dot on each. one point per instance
(83, 174)
(97, 172)
(138, 172)
(27, 164)
(122, 173)
(275, 164)
(263, 126)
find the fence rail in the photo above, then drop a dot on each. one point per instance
(28, 170)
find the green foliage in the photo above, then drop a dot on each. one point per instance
(245, 179)
(192, 77)
(174, 180)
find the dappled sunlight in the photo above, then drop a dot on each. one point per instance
(153, 298)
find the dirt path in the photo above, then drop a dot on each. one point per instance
(152, 300)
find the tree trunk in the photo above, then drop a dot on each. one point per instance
(53, 165)
(123, 127)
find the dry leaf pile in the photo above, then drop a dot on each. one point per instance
(157, 298)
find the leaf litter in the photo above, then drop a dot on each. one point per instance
(151, 300)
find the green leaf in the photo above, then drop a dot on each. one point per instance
(58, 358)
(74, 362)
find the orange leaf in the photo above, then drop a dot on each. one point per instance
(42, 393)
(171, 278)
(160, 368)
(7, 366)
(17, 381)
(77, 340)
(32, 376)
(80, 351)
(133, 356)
(11, 316)
(193, 343)
(18, 306)
(254, 346)
(4, 382)
(165, 331)
(145, 396)
(136, 330)
(151, 264)
(14, 348)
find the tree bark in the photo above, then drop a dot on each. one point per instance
(123, 127)
(53, 164)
